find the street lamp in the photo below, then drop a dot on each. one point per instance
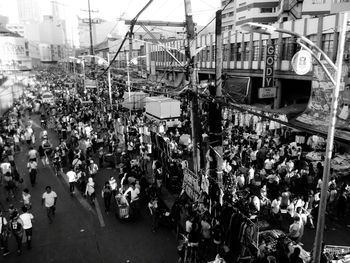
(303, 41)
(107, 62)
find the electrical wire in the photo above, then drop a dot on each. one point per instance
(133, 22)
(211, 21)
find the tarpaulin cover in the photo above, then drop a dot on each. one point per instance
(317, 112)
(237, 88)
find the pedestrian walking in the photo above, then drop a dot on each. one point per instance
(26, 198)
(32, 154)
(107, 196)
(92, 169)
(32, 166)
(9, 186)
(153, 208)
(27, 219)
(72, 178)
(16, 226)
(90, 190)
(49, 199)
(4, 234)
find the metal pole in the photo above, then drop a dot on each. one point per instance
(128, 72)
(90, 29)
(216, 131)
(109, 84)
(191, 48)
(329, 148)
(83, 65)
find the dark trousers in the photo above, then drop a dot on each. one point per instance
(32, 176)
(4, 243)
(18, 238)
(107, 201)
(71, 187)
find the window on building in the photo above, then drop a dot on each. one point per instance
(242, 4)
(213, 53)
(223, 28)
(327, 43)
(246, 51)
(239, 51)
(223, 16)
(242, 17)
(288, 48)
(232, 52)
(255, 50)
(316, 2)
(224, 3)
(267, 10)
(229, 27)
(230, 14)
(208, 54)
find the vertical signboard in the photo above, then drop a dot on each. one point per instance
(268, 90)
(269, 63)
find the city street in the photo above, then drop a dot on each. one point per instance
(81, 233)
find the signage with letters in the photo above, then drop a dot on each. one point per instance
(265, 93)
(268, 80)
(302, 62)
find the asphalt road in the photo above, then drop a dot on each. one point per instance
(81, 233)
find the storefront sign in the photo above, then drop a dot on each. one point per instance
(90, 84)
(265, 93)
(268, 81)
(339, 6)
(302, 62)
(191, 184)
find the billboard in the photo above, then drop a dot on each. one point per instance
(317, 112)
(13, 54)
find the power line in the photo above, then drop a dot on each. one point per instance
(211, 21)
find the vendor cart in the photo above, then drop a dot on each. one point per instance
(123, 208)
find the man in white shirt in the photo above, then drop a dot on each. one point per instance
(49, 198)
(134, 197)
(5, 168)
(27, 219)
(93, 168)
(32, 154)
(72, 178)
(32, 166)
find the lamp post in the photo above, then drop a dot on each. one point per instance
(303, 41)
(108, 72)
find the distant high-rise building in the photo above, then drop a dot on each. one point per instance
(28, 10)
(238, 12)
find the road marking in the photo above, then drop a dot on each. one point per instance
(99, 213)
(78, 195)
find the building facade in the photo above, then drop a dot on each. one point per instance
(244, 56)
(239, 12)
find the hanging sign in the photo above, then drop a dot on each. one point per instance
(265, 93)
(191, 184)
(302, 62)
(268, 81)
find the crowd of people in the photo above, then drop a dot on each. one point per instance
(268, 180)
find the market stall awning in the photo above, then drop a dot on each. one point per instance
(237, 88)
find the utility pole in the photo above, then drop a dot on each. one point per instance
(90, 29)
(215, 125)
(190, 54)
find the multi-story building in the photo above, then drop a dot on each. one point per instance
(238, 12)
(28, 10)
(14, 51)
(244, 56)
(316, 7)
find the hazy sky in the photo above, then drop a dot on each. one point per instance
(112, 10)
(171, 10)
